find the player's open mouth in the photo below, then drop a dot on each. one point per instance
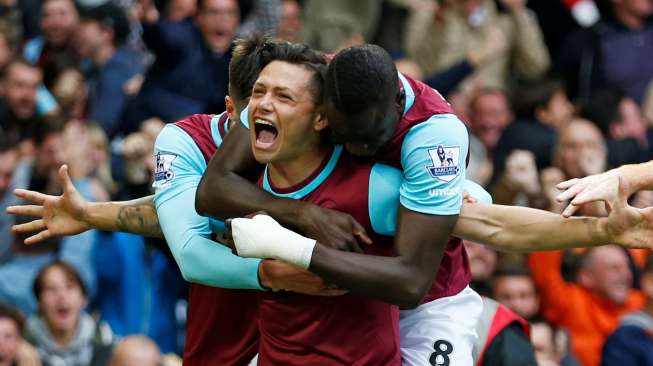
(266, 133)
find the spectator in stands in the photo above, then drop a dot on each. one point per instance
(632, 342)
(551, 344)
(140, 350)
(623, 125)
(17, 274)
(62, 332)
(14, 351)
(69, 88)
(18, 105)
(513, 287)
(6, 47)
(482, 262)
(290, 26)
(8, 181)
(102, 33)
(190, 73)
(443, 37)
(591, 307)
(490, 113)
(541, 108)
(59, 21)
(614, 52)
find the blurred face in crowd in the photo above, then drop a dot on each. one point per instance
(646, 283)
(558, 111)
(218, 20)
(20, 86)
(632, 123)
(606, 272)
(543, 340)
(50, 155)
(8, 160)
(286, 119)
(581, 150)
(291, 24)
(91, 37)
(9, 340)
(517, 293)
(638, 8)
(59, 19)
(482, 260)
(136, 351)
(61, 300)
(490, 114)
(5, 51)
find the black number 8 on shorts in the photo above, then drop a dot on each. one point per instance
(440, 356)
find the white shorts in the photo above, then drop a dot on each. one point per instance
(441, 332)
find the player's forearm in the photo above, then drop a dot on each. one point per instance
(521, 229)
(224, 195)
(136, 216)
(388, 279)
(639, 176)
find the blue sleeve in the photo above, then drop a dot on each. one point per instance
(433, 157)
(179, 168)
(244, 117)
(478, 192)
(383, 199)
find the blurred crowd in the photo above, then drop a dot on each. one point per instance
(550, 90)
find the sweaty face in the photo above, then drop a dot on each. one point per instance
(363, 134)
(59, 20)
(62, 300)
(20, 88)
(517, 293)
(282, 113)
(218, 21)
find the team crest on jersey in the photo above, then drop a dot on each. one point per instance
(163, 173)
(446, 163)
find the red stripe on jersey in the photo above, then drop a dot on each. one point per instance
(198, 127)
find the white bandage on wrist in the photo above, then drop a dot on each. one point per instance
(263, 237)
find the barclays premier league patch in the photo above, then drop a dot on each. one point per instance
(163, 173)
(446, 163)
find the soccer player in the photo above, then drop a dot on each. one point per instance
(200, 132)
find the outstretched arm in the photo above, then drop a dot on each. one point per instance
(71, 214)
(229, 177)
(599, 187)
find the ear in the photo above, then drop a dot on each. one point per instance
(231, 110)
(585, 279)
(320, 121)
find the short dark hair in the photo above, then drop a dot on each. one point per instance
(245, 65)
(361, 77)
(68, 270)
(16, 61)
(13, 314)
(298, 54)
(531, 95)
(111, 16)
(511, 270)
(603, 108)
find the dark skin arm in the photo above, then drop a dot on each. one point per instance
(420, 242)
(229, 177)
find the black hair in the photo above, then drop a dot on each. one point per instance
(298, 54)
(361, 77)
(8, 142)
(69, 271)
(603, 109)
(111, 16)
(245, 65)
(531, 95)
